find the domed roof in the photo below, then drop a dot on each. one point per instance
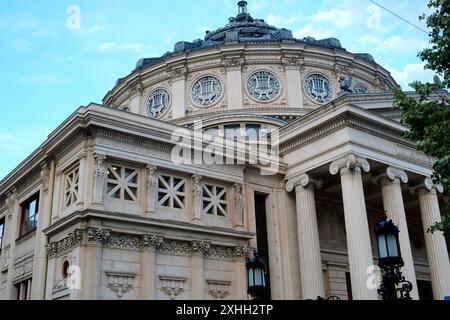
(243, 26)
(245, 29)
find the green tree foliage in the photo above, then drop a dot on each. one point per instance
(430, 120)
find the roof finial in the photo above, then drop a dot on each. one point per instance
(242, 7)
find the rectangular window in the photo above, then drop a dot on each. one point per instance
(171, 192)
(232, 131)
(2, 231)
(24, 290)
(30, 215)
(71, 187)
(252, 131)
(215, 200)
(122, 183)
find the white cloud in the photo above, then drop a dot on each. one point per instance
(137, 47)
(257, 5)
(340, 17)
(273, 19)
(96, 28)
(21, 141)
(394, 44)
(106, 46)
(311, 30)
(38, 79)
(411, 73)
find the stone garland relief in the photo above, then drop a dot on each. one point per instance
(23, 269)
(120, 283)
(107, 238)
(173, 287)
(218, 289)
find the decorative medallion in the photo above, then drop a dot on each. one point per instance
(207, 91)
(157, 103)
(263, 86)
(319, 88)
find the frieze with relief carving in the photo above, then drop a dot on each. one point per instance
(109, 239)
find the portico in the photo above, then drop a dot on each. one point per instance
(368, 181)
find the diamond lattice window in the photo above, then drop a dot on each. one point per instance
(171, 192)
(122, 183)
(72, 181)
(215, 200)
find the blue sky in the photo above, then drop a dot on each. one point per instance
(47, 69)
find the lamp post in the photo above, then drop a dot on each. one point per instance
(394, 285)
(256, 276)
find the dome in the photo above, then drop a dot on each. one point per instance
(246, 74)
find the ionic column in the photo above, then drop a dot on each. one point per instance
(358, 236)
(437, 253)
(308, 237)
(395, 210)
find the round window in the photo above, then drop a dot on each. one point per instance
(158, 103)
(263, 86)
(207, 91)
(319, 88)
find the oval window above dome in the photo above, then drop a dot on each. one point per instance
(263, 86)
(319, 88)
(207, 91)
(157, 103)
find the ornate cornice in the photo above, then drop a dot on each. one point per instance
(98, 236)
(119, 137)
(110, 239)
(331, 126)
(73, 240)
(349, 162)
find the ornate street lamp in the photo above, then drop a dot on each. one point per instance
(256, 275)
(394, 285)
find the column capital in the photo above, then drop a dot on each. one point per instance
(393, 174)
(99, 157)
(349, 162)
(151, 168)
(427, 185)
(304, 181)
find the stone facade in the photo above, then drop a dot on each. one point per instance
(119, 219)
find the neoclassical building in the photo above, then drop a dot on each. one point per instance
(104, 209)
